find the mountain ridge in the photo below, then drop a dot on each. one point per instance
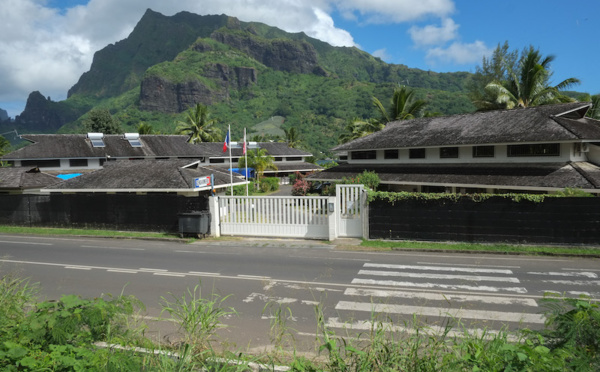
(246, 71)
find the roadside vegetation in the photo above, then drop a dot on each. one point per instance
(105, 333)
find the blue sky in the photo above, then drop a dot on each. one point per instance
(46, 45)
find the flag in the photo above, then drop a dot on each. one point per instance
(244, 145)
(226, 144)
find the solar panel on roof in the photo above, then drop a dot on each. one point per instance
(134, 139)
(97, 139)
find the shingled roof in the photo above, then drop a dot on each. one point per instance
(561, 122)
(56, 146)
(22, 178)
(582, 175)
(65, 146)
(144, 175)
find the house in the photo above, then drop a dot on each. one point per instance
(24, 180)
(71, 153)
(540, 149)
(141, 177)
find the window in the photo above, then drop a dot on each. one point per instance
(483, 151)
(278, 158)
(448, 152)
(54, 163)
(363, 155)
(390, 154)
(78, 162)
(293, 158)
(416, 153)
(217, 160)
(540, 149)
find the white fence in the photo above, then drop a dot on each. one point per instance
(281, 216)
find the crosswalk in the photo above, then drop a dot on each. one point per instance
(475, 299)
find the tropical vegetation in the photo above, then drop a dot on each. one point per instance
(259, 160)
(199, 126)
(99, 120)
(511, 84)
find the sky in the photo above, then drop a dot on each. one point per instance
(46, 45)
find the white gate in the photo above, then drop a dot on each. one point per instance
(280, 216)
(350, 206)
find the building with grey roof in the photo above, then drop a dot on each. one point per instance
(537, 149)
(69, 153)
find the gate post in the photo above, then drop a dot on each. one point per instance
(215, 219)
(365, 213)
(332, 217)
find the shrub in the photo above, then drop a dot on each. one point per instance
(300, 187)
(370, 179)
(268, 184)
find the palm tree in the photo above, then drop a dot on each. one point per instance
(404, 106)
(528, 85)
(145, 128)
(357, 128)
(594, 112)
(259, 160)
(199, 126)
(292, 137)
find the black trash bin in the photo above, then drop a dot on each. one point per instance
(196, 223)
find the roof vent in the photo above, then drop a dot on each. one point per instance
(97, 139)
(134, 139)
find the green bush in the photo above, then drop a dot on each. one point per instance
(269, 184)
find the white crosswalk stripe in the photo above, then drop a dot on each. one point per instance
(440, 312)
(474, 278)
(392, 283)
(448, 297)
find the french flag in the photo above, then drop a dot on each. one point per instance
(226, 144)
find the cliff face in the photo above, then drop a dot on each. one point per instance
(160, 94)
(40, 114)
(3, 115)
(282, 55)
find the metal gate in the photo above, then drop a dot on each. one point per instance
(279, 216)
(350, 206)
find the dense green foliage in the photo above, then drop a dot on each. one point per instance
(503, 82)
(101, 121)
(199, 126)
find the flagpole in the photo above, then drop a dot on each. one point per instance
(230, 163)
(246, 160)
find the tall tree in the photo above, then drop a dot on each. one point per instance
(527, 85)
(594, 112)
(495, 68)
(259, 160)
(199, 125)
(101, 121)
(404, 106)
(357, 128)
(145, 128)
(292, 137)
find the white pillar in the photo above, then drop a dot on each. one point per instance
(215, 225)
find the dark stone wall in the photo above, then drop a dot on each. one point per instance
(151, 212)
(553, 221)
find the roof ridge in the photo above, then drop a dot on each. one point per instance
(554, 117)
(584, 174)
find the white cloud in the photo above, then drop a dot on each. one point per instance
(48, 49)
(383, 54)
(459, 53)
(433, 35)
(395, 11)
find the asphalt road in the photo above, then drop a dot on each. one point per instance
(351, 288)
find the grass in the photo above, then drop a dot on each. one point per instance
(87, 232)
(479, 247)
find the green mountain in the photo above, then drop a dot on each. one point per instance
(246, 72)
